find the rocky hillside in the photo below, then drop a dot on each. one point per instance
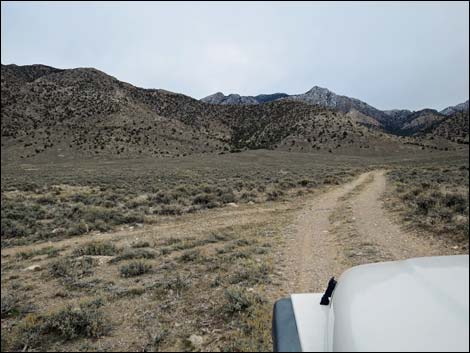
(236, 99)
(397, 118)
(453, 128)
(462, 107)
(315, 96)
(84, 112)
(326, 98)
(400, 122)
(418, 122)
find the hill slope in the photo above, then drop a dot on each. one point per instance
(236, 99)
(315, 96)
(462, 107)
(83, 112)
(453, 128)
(398, 121)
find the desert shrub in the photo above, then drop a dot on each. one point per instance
(226, 249)
(206, 188)
(190, 256)
(169, 210)
(248, 196)
(165, 250)
(96, 249)
(287, 185)
(160, 198)
(135, 268)
(260, 250)
(132, 217)
(251, 274)
(22, 210)
(28, 334)
(155, 336)
(140, 244)
(12, 229)
(92, 214)
(46, 200)
(10, 304)
(238, 254)
(274, 195)
(182, 189)
(81, 198)
(101, 226)
(138, 201)
(227, 197)
(28, 186)
(69, 323)
(50, 251)
(127, 292)
(173, 241)
(331, 180)
(456, 202)
(425, 203)
(177, 283)
(306, 183)
(72, 269)
(242, 242)
(206, 200)
(238, 300)
(218, 237)
(78, 228)
(19, 218)
(5, 342)
(134, 254)
(82, 219)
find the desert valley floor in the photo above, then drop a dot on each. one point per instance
(191, 253)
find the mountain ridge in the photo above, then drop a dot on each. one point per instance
(220, 98)
(85, 112)
(396, 121)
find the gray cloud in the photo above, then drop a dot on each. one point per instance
(391, 55)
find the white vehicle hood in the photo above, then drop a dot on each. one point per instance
(413, 305)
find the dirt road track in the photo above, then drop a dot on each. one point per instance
(344, 227)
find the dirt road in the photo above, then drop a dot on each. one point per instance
(344, 227)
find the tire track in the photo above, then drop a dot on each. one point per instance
(345, 227)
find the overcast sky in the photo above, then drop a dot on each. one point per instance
(401, 55)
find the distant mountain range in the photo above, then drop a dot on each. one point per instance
(236, 99)
(401, 122)
(462, 107)
(76, 113)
